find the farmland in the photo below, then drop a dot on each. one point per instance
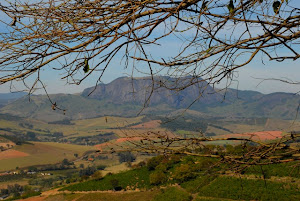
(40, 153)
(88, 146)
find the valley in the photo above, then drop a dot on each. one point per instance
(100, 148)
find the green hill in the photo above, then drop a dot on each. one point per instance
(117, 98)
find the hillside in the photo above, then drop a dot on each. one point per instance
(126, 97)
(77, 107)
(6, 98)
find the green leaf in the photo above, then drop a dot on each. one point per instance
(230, 7)
(276, 6)
(86, 67)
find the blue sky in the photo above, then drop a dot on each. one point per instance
(247, 77)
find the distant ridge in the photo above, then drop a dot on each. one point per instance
(126, 97)
(6, 98)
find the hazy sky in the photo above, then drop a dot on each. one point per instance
(247, 79)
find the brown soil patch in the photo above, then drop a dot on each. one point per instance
(4, 144)
(11, 153)
(136, 136)
(260, 136)
(149, 124)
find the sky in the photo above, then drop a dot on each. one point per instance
(247, 78)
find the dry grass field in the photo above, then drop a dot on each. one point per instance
(41, 153)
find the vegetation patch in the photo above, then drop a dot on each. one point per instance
(132, 179)
(250, 189)
(173, 194)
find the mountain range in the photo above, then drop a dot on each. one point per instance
(156, 96)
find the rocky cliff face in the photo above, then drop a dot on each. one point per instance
(161, 90)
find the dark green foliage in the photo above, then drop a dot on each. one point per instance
(276, 6)
(230, 7)
(187, 124)
(17, 192)
(278, 170)
(101, 167)
(155, 161)
(11, 177)
(173, 194)
(115, 184)
(66, 162)
(46, 182)
(16, 139)
(126, 157)
(32, 169)
(158, 177)
(184, 172)
(31, 136)
(246, 189)
(86, 66)
(30, 193)
(136, 178)
(93, 140)
(194, 186)
(87, 171)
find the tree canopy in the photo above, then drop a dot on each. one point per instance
(82, 37)
(78, 38)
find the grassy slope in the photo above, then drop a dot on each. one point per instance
(77, 107)
(209, 186)
(85, 127)
(138, 178)
(128, 196)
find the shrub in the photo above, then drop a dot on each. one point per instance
(139, 165)
(115, 184)
(97, 175)
(87, 171)
(184, 173)
(101, 167)
(155, 161)
(126, 157)
(158, 177)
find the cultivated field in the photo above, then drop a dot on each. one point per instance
(40, 153)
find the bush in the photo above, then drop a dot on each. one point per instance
(97, 175)
(126, 157)
(115, 184)
(158, 177)
(101, 167)
(139, 165)
(155, 161)
(87, 171)
(184, 173)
